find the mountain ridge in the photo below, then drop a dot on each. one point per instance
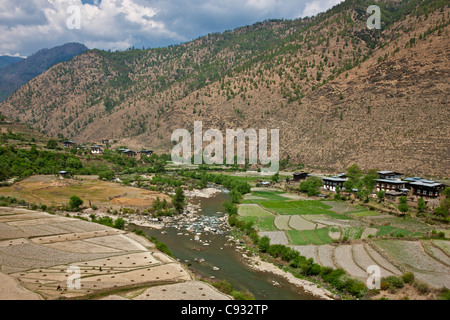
(19, 73)
(338, 92)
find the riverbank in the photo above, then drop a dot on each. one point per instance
(257, 264)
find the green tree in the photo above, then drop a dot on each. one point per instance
(337, 196)
(264, 243)
(179, 199)
(381, 194)
(403, 205)
(354, 174)
(160, 166)
(235, 196)
(421, 205)
(75, 203)
(74, 163)
(276, 177)
(52, 144)
(311, 186)
(119, 223)
(106, 175)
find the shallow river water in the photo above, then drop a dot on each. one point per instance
(221, 260)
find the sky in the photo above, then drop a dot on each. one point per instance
(26, 26)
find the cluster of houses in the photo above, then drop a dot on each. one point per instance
(393, 184)
(99, 149)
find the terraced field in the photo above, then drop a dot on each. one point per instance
(424, 260)
(313, 228)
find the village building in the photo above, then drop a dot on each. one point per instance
(391, 182)
(96, 149)
(426, 188)
(389, 175)
(392, 185)
(147, 153)
(129, 153)
(300, 176)
(68, 144)
(330, 183)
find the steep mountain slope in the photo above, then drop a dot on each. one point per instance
(17, 74)
(338, 92)
(7, 60)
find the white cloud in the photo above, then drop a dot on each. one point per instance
(29, 25)
(316, 6)
(110, 24)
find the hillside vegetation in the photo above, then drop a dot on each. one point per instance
(338, 92)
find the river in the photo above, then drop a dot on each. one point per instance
(221, 260)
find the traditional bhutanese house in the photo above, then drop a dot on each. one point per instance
(330, 183)
(426, 188)
(68, 144)
(129, 153)
(390, 175)
(392, 185)
(147, 153)
(96, 149)
(300, 176)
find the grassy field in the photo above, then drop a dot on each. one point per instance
(252, 211)
(50, 190)
(297, 238)
(297, 207)
(366, 213)
(392, 231)
(352, 233)
(306, 237)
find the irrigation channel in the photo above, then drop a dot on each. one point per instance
(212, 255)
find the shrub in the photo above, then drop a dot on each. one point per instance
(119, 224)
(422, 287)
(242, 295)
(223, 286)
(444, 295)
(106, 175)
(75, 203)
(394, 282)
(333, 276)
(276, 250)
(408, 277)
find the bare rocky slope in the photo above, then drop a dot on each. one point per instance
(339, 93)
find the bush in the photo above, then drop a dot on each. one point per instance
(394, 282)
(223, 286)
(422, 287)
(75, 203)
(276, 250)
(444, 295)
(408, 277)
(106, 175)
(119, 224)
(52, 144)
